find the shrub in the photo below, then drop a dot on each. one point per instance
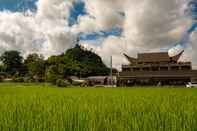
(3, 74)
(62, 83)
(40, 79)
(76, 83)
(1, 78)
(18, 79)
(29, 80)
(52, 74)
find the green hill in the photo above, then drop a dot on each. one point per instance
(89, 62)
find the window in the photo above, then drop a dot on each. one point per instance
(163, 68)
(175, 68)
(155, 68)
(146, 69)
(126, 69)
(186, 68)
(136, 69)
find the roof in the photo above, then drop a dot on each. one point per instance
(99, 77)
(153, 57)
(74, 77)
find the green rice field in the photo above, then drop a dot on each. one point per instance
(41, 107)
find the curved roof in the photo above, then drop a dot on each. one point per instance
(153, 57)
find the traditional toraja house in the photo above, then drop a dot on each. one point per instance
(156, 69)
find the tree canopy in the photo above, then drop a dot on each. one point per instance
(12, 61)
(76, 61)
(36, 66)
(89, 63)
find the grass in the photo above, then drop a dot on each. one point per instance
(41, 107)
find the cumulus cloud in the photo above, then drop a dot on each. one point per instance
(103, 15)
(148, 25)
(190, 53)
(45, 31)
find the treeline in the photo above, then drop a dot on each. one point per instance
(76, 61)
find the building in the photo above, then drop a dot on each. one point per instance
(101, 81)
(156, 69)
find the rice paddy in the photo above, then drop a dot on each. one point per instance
(42, 107)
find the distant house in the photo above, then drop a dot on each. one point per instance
(101, 80)
(74, 78)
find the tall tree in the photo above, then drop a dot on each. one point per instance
(36, 66)
(55, 72)
(88, 62)
(13, 62)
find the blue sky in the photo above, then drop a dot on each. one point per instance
(138, 31)
(77, 10)
(17, 5)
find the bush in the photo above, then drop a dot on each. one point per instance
(3, 74)
(76, 83)
(41, 80)
(19, 79)
(52, 74)
(29, 80)
(1, 78)
(62, 83)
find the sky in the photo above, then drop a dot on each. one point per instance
(108, 27)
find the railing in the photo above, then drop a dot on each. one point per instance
(167, 64)
(192, 73)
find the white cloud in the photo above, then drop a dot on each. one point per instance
(45, 31)
(191, 52)
(148, 25)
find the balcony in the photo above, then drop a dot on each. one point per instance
(190, 73)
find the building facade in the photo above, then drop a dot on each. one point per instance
(156, 69)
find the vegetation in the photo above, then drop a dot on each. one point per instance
(1, 78)
(12, 61)
(43, 107)
(62, 83)
(77, 61)
(36, 67)
(18, 79)
(88, 63)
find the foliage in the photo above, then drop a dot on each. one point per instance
(89, 63)
(42, 107)
(3, 74)
(54, 60)
(79, 62)
(12, 61)
(18, 79)
(33, 57)
(76, 61)
(1, 78)
(36, 66)
(2, 68)
(55, 72)
(76, 83)
(62, 83)
(29, 79)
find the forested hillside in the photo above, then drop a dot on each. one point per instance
(76, 61)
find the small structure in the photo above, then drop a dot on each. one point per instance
(76, 81)
(156, 69)
(101, 81)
